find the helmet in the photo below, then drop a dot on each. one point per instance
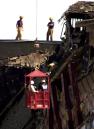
(52, 64)
(32, 82)
(50, 18)
(21, 17)
(43, 80)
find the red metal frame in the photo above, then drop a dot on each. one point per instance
(40, 99)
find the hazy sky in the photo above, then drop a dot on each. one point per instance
(10, 10)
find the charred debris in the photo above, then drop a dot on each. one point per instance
(78, 30)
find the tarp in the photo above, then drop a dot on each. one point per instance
(37, 73)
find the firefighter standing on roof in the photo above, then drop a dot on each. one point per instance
(19, 26)
(50, 30)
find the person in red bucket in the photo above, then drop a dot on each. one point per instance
(33, 87)
(44, 84)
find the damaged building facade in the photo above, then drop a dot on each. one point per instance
(79, 24)
(78, 32)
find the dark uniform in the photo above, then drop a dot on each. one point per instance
(19, 26)
(50, 30)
